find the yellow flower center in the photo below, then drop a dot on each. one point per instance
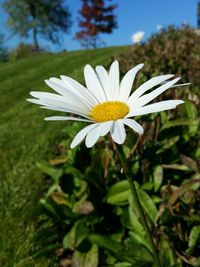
(109, 111)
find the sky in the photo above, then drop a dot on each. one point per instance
(132, 16)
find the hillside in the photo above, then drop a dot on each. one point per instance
(24, 139)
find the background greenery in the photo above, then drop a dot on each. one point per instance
(86, 215)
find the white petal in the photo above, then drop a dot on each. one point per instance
(114, 79)
(146, 86)
(118, 133)
(64, 118)
(143, 100)
(92, 137)
(82, 134)
(69, 93)
(127, 82)
(104, 79)
(93, 84)
(134, 125)
(60, 101)
(56, 108)
(182, 84)
(105, 127)
(157, 107)
(84, 92)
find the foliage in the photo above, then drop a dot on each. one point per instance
(42, 17)
(96, 18)
(173, 50)
(91, 214)
(23, 51)
(26, 138)
(3, 50)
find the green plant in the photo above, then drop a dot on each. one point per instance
(91, 216)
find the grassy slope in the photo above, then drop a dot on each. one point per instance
(26, 138)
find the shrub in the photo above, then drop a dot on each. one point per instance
(173, 50)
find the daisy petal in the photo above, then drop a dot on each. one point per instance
(156, 107)
(62, 109)
(114, 79)
(134, 125)
(64, 118)
(104, 79)
(143, 100)
(85, 93)
(93, 84)
(182, 84)
(62, 89)
(147, 86)
(105, 127)
(82, 134)
(118, 133)
(46, 99)
(92, 137)
(127, 82)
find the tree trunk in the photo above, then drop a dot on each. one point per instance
(35, 44)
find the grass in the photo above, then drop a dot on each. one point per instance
(24, 139)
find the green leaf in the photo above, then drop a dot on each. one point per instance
(136, 254)
(76, 235)
(148, 204)
(166, 254)
(180, 122)
(140, 239)
(191, 111)
(88, 259)
(167, 143)
(123, 264)
(53, 172)
(118, 193)
(194, 238)
(134, 222)
(105, 242)
(49, 209)
(157, 177)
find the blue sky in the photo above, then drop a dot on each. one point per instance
(132, 16)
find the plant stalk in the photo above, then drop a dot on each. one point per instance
(128, 175)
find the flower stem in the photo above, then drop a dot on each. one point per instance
(128, 174)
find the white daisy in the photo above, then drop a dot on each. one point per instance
(107, 104)
(137, 37)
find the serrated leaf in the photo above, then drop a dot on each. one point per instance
(157, 177)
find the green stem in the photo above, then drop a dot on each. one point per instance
(128, 174)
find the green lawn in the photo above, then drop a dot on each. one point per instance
(24, 139)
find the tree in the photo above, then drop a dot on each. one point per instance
(3, 49)
(96, 18)
(41, 17)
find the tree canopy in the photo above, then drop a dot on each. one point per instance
(39, 17)
(96, 18)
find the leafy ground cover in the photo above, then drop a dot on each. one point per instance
(25, 139)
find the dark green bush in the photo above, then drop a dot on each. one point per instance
(175, 51)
